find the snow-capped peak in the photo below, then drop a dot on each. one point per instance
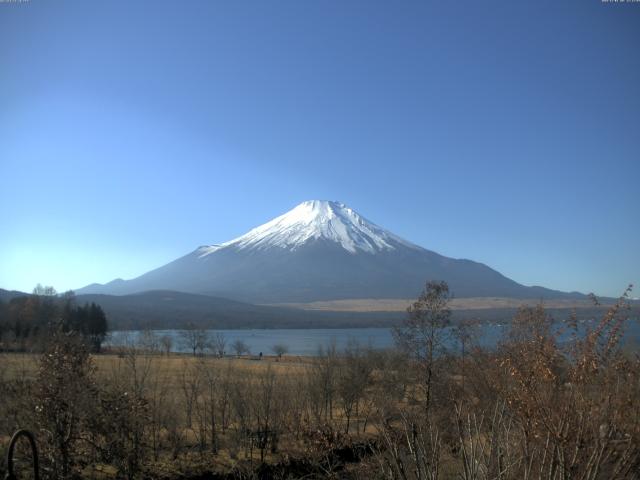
(312, 220)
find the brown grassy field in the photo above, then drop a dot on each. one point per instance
(166, 382)
(172, 366)
(400, 305)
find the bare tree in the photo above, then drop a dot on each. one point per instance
(423, 333)
(322, 382)
(240, 347)
(209, 398)
(166, 342)
(218, 344)
(269, 408)
(225, 385)
(125, 418)
(354, 376)
(466, 333)
(280, 349)
(190, 386)
(159, 405)
(47, 291)
(195, 339)
(411, 451)
(241, 401)
(148, 341)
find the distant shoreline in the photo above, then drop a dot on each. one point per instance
(471, 303)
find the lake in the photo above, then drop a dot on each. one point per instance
(307, 341)
(299, 341)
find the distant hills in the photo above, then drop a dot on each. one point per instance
(163, 309)
(7, 295)
(321, 251)
(170, 309)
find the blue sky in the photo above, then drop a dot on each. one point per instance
(506, 132)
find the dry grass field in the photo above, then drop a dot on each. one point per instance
(400, 305)
(180, 391)
(172, 368)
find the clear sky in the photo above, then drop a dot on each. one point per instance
(505, 132)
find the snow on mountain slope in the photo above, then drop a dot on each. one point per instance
(320, 251)
(313, 220)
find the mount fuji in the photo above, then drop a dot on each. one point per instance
(320, 250)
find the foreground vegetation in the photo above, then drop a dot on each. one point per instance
(533, 408)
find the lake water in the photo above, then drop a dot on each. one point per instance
(308, 341)
(298, 341)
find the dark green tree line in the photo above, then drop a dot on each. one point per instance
(26, 322)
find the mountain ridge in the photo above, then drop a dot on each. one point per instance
(321, 250)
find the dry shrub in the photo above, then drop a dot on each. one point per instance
(552, 401)
(573, 404)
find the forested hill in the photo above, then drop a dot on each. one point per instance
(27, 321)
(7, 295)
(169, 309)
